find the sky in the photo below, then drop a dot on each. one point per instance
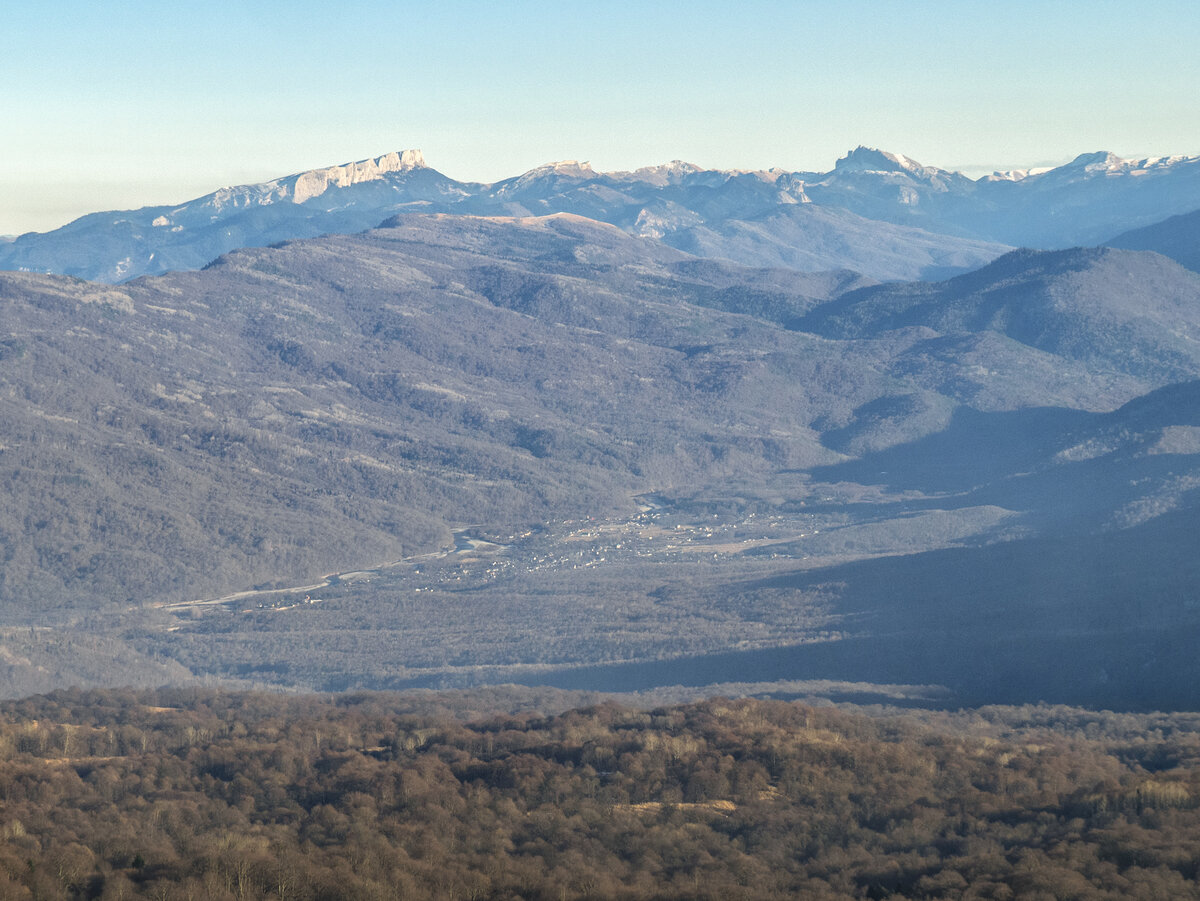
(123, 105)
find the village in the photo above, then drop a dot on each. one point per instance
(479, 555)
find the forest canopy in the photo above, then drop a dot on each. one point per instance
(178, 794)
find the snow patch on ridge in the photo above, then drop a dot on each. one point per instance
(1016, 174)
(1103, 162)
(570, 168)
(671, 173)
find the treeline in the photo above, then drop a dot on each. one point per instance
(190, 794)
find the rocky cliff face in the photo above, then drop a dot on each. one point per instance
(317, 181)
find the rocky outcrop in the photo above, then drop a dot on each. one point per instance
(316, 182)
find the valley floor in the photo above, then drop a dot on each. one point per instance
(842, 596)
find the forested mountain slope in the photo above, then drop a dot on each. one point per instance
(500, 449)
(1177, 237)
(335, 403)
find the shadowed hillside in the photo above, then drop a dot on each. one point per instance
(1177, 237)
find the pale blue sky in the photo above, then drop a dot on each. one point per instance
(120, 105)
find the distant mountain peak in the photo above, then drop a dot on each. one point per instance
(1098, 161)
(868, 159)
(570, 168)
(1103, 161)
(675, 166)
(664, 174)
(316, 182)
(1016, 174)
(304, 186)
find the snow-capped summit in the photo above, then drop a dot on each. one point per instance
(671, 173)
(1100, 161)
(316, 181)
(891, 168)
(305, 186)
(1015, 174)
(868, 159)
(569, 168)
(1108, 166)
(540, 177)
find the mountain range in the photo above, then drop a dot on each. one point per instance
(877, 213)
(539, 447)
(371, 427)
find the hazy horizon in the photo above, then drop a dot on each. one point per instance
(118, 108)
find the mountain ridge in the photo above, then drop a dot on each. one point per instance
(654, 202)
(1177, 237)
(956, 223)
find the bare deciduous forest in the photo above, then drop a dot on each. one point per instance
(194, 794)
